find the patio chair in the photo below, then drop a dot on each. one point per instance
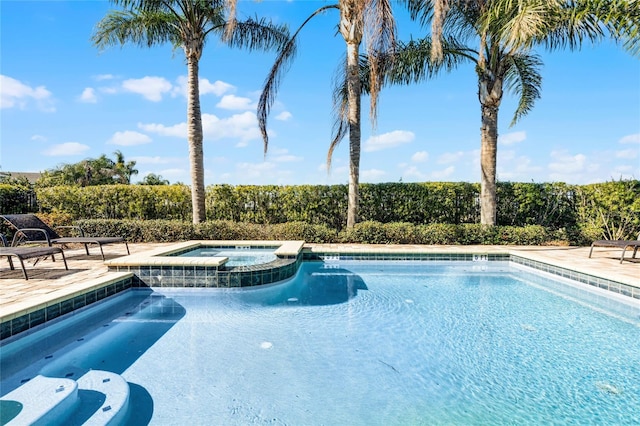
(23, 253)
(29, 228)
(623, 244)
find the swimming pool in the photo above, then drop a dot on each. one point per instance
(372, 343)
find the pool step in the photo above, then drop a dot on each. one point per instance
(97, 398)
(43, 401)
(113, 410)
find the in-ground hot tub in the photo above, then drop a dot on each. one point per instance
(237, 255)
(213, 264)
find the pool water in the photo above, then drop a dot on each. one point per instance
(244, 256)
(360, 343)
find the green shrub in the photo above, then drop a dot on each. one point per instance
(437, 233)
(610, 210)
(369, 232)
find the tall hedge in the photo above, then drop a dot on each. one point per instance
(604, 210)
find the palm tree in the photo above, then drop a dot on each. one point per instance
(505, 32)
(123, 171)
(187, 23)
(357, 17)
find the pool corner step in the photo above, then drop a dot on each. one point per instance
(43, 400)
(98, 398)
(115, 388)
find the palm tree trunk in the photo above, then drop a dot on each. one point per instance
(488, 154)
(351, 29)
(195, 136)
(353, 93)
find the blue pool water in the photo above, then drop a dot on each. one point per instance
(244, 256)
(359, 343)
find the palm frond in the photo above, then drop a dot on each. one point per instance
(572, 24)
(340, 104)
(381, 40)
(412, 62)
(516, 23)
(140, 28)
(462, 22)
(522, 77)
(258, 33)
(274, 78)
(419, 10)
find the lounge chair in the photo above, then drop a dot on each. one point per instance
(29, 228)
(623, 244)
(23, 253)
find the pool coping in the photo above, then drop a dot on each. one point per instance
(23, 316)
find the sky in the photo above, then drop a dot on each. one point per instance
(62, 101)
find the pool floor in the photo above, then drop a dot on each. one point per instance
(368, 343)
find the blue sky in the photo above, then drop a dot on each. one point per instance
(63, 101)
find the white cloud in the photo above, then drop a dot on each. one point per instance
(372, 175)
(239, 126)
(566, 164)
(450, 157)
(287, 158)
(514, 168)
(281, 155)
(151, 88)
(284, 116)
(420, 157)
(108, 90)
(512, 138)
(218, 87)
(129, 138)
(234, 102)
(577, 168)
(413, 174)
(388, 140)
(266, 171)
(634, 138)
(442, 174)
(38, 138)
(242, 127)
(153, 160)
(14, 93)
(627, 154)
(177, 130)
(337, 171)
(88, 96)
(67, 148)
(205, 87)
(102, 77)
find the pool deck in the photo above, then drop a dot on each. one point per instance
(49, 282)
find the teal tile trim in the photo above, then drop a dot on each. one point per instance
(212, 277)
(462, 257)
(603, 283)
(222, 247)
(55, 310)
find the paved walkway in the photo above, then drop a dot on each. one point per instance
(49, 281)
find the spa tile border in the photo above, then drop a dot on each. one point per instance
(222, 247)
(212, 276)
